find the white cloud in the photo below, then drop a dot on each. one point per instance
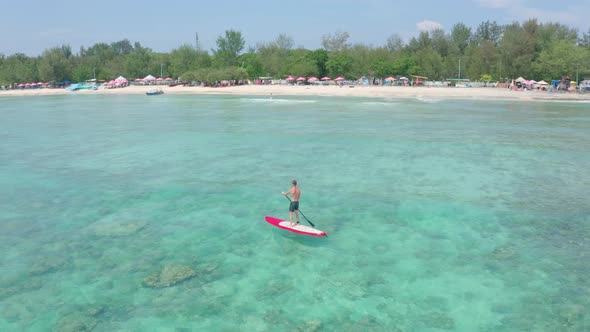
(427, 25)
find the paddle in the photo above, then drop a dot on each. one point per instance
(312, 225)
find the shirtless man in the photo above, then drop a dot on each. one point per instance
(294, 206)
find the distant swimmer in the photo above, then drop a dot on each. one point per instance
(271, 96)
(294, 206)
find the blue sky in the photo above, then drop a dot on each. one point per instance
(31, 26)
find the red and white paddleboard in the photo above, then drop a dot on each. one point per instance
(301, 229)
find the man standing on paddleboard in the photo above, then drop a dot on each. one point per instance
(294, 206)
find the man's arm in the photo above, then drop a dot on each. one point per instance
(288, 192)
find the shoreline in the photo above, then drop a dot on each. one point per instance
(444, 93)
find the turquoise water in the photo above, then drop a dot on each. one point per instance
(441, 215)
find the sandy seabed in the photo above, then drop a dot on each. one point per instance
(345, 91)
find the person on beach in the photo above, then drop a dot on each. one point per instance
(294, 206)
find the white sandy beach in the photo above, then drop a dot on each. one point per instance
(357, 91)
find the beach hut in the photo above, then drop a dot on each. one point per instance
(542, 85)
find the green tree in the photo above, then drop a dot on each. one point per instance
(381, 68)
(339, 65)
(18, 68)
(275, 54)
(485, 78)
(8, 69)
(488, 31)
(101, 52)
(229, 48)
(441, 42)
(252, 65)
(481, 59)
(54, 64)
(394, 43)
(336, 42)
(300, 63)
(82, 69)
(183, 59)
(405, 66)
(320, 57)
(585, 40)
(135, 64)
(550, 32)
(423, 41)
(284, 42)
(460, 34)
(517, 49)
(430, 64)
(562, 57)
(361, 58)
(122, 47)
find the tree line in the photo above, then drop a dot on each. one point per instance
(493, 52)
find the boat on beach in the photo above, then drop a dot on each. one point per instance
(154, 92)
(81, 86)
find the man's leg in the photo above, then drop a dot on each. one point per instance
(291, 218)
(297, 215)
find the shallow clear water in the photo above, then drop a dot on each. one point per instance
(441, 215)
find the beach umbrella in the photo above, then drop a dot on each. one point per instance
(112, 82)
(158, 79)
(21, 85)
(339, 78)
(149, 78)
(168, 79)
(39, 83)
(542, 83)
(290, 78)
(301, 78)
(326, 78)
(390, 78)
(33, 84)
(139, 79)
(313, 79)
(520, 79)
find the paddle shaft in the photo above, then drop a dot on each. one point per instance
(312, 225)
